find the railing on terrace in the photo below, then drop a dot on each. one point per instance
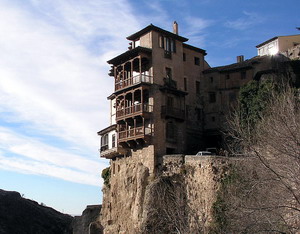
(134, 133)
(134, 109)
(133, 80)
(167, 111)
(103, 148)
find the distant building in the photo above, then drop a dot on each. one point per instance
(220, 90)
(279, 44)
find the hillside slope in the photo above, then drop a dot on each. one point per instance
(23, 216)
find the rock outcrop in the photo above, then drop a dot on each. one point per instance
(87, 222)
(20, 215)
(180, 197)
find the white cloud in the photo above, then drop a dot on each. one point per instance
(36, 157)
(195, 29)
(54, 82)
(245, 22)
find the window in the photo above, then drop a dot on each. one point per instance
(185, 84)
(171, 131)
(213, 119)
(198, 113)
(212, 97)
(184, 57)
(197, 87)
(227, 76)
(104, 140)
(168, 73)
(113, 140)
(197, 61)
(169, 44)
(211, 79)
(187, 107)
(232, 97)
(169, 101)
(243, 75)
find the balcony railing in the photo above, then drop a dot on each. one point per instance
(134, 133)
(176, 113)
(141, 78)
(103, 148)
(134, 110)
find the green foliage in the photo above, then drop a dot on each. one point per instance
(106, 175)
(220, 207)
(253, 99)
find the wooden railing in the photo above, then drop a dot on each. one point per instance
(141, 78)
(134, 109)
(134, 133)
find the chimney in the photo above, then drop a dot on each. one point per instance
(240, 58)
(175, 28)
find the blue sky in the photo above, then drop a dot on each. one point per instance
(54, 83)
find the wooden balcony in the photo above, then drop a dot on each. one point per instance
(137, 109)
(134, 80)
(172, 112)
(134, 134)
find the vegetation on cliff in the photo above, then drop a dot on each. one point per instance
(269, 132)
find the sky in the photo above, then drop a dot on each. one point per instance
(54, 82)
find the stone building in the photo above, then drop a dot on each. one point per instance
(155, 107)
(279, 44)
(220, 89)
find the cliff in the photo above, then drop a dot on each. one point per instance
(180, 198)
(87, 222)
(20, 215)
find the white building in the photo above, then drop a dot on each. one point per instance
(279, 44)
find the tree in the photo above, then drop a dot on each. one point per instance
(269, 200)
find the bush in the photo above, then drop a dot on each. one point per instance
(106, 175)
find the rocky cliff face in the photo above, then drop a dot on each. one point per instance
(179, 198)
(87, 222)
(20, 215)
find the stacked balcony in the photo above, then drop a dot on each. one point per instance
(133, 102)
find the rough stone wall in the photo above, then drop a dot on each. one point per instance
(123, 199)
(126, 201)
(202, 177)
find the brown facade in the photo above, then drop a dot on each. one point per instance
(156, 93)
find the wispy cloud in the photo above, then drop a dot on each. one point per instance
(248, 20)
(53, 82)
(25, 154)
(195, 29)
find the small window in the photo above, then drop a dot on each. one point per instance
(243, 75)
(198, 113)
(197, 61)
(171, 131)
(168, 73)
(113, 140)
(170, 101)
(213, 119)
(212, 97)
(227, 76)
(161, 41)
(104, 140)
(211, 79)
(232, 97)
(187, 111)
(184, 57)
(197, 87)
(185, 84)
